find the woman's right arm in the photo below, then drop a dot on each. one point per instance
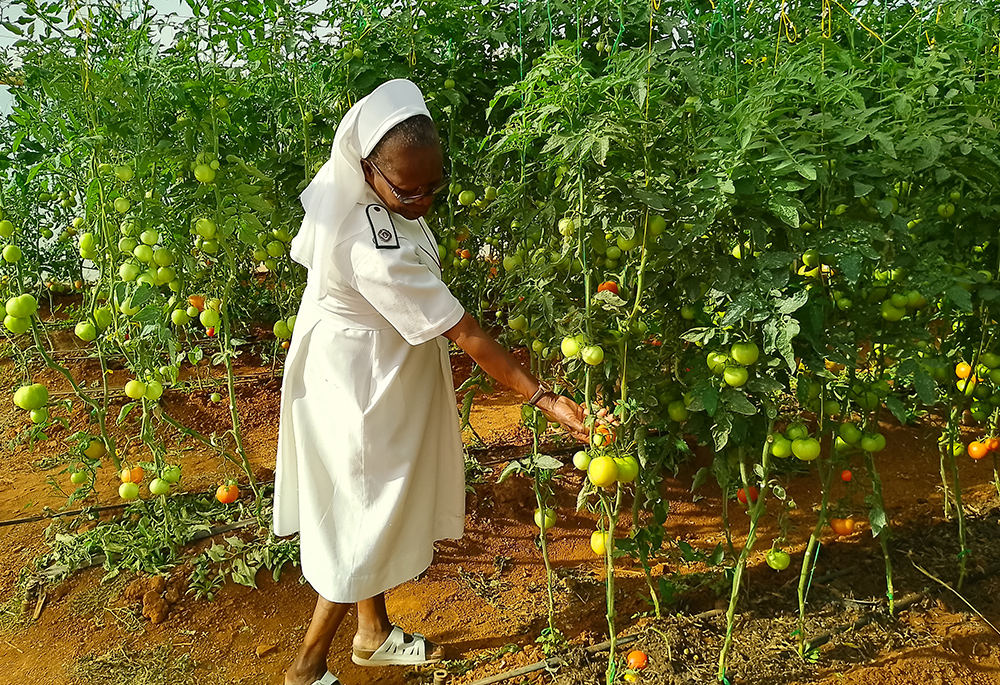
(501, 365)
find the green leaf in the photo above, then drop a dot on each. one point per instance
(783, 208)
(737, 401)
(546, 462)
(925, 386)
(793, 303)
(850, 265)
(720, 431)
(862, 189)
(960, 297)
(700, 478)
(897, 408)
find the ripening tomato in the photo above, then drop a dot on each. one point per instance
(842, 526)
(610, 286)
(132, 475)
(978, 450)
(227, 493)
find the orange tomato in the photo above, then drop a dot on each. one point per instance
(637, 660)
(963, 370)
(465, 254)
(133, 475)
(197, 301)
(285, 344)
(227, 493)
(993, 444)
(842, 526)
(608, 285)
(978, 450)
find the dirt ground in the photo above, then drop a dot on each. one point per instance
(485, 595)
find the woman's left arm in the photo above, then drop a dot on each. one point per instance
(501, 365)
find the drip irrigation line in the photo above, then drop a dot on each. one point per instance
(105, 507)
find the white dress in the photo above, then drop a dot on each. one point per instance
(369, 465)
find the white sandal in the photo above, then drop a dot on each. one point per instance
(327, 679)
(396, 651)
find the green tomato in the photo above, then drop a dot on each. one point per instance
(86, 331)
(128, 491)
(545, 520)
(745, 353)
(781, 447)
(678, 411)
(206, 228)
(21, 306)
(581, 460)
(209, 318)
(124, 173)
(29, 397)
(873, 443)
(171, 474)
(592, 355)
(806, 449)
(850, 433)
(159, 486)
(735, 376)
(204, 173)
(12, 254)
(78, 477)
(103, 317)
(135, 389)
(281, 330)
(778, 559)
(518, 323)
(154, 391)
(215, 397)
(122, 205)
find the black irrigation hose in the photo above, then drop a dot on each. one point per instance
(88, 510)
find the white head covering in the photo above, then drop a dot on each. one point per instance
(340, 183)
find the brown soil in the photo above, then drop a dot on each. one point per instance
(485, 595)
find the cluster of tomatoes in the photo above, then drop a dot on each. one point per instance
(132, 477)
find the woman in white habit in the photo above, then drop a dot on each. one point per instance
(369, 466)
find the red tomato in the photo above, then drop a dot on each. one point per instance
(608, 285)
(845, 476)
(637, 660)
(741, 495)
(210, 332)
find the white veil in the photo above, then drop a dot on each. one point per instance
(340, 183)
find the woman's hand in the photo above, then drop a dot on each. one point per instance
(566, 413)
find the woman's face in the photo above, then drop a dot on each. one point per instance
(412, 170)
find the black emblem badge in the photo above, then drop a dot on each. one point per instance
(383, 230)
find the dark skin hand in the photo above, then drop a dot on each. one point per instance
(416, 170)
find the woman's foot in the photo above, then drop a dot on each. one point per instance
(367, 643)
(298, 674)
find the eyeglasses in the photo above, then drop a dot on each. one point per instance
(412, 198)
